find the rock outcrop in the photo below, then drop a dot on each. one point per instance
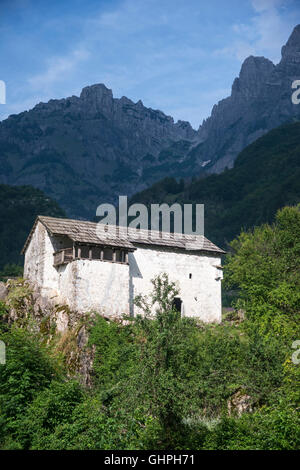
(67, 330)
(261, 99)
(240, 403)
(3, 291)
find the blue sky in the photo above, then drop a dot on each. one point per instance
(179, 56)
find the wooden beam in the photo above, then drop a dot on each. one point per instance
(74, 251)
(90, 253)
(79, 252)
(102, 254)
(126, 257)
(114, 255)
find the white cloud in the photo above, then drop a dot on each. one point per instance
(265, 34)
(240, 50)
(57, 68)
(263, 5)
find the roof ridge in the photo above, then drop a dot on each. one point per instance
(75, 229)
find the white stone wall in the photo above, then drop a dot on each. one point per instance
(38, 265)
(34, 262)
(201, 295)
(103, 286)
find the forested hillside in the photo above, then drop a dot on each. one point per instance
(19, 206)
(265, 177)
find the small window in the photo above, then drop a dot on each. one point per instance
(190, 276)
(84, 252)
(108, 254)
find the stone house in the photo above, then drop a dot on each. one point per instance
(87, 267)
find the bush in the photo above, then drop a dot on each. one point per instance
(30, 367)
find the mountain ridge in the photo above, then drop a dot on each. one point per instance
(98, 143)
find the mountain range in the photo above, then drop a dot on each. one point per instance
(83, 151)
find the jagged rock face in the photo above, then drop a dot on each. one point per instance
(291, 51)
(254, 73)
(85, 151)
(260, 100)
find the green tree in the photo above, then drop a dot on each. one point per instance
(265, 265)
(167, 362)
(30, 367)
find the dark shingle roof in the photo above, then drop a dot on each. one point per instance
(81, 231)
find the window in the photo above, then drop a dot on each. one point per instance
(108, 254)
(190, 276)
(84, 252)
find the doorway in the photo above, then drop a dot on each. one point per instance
(177, 303)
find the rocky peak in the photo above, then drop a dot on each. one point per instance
(291, 51)
(254, 73)
(140, 104)
(186, 127)
(260, 101)
(98, 98)
(97, 91)
(124, 101)
(126, 114)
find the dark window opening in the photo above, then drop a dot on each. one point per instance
(190, 275)
(177, 302)
(84, 252)
(108, 254)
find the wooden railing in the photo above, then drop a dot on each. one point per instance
(66, 255)
(63, 256)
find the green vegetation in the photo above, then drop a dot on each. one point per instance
(169, 382)
(19, 206)
(265, 177)
(10, 270)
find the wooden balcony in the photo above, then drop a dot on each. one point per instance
(64, 256)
